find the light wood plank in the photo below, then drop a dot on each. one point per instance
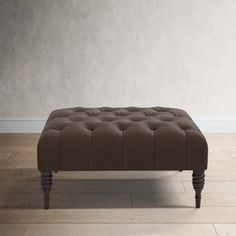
(20, 160)
(18, 164)
(115, 186)
(219, 176)
(20, 137)
(152, 215)
(23, 156)
(233, 155)
(177, 200)
(219, 156)
(4, 156)
(225, 229)
(164, 176)
(19, 147)
(222, 166)
(108, 229)
(118, 175)
(114, 200)
(66, 200)
(14, 174)
(214, 187)
(221, 142)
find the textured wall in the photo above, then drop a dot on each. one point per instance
(56, 53)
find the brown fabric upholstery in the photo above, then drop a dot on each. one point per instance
(130, 138)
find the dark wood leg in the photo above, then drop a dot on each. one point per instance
(46, 183)
(198, 183)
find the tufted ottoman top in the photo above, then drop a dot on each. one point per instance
(129, 138)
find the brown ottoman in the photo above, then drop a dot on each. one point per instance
(132, 138)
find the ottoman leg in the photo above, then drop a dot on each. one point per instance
(46, 183)
(198, 183)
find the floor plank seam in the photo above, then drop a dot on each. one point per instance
(215, 230)
(232, 156)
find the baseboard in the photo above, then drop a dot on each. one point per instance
(36, 124)
(22, 124)
(216, 125)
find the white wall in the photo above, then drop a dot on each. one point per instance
(56, 53)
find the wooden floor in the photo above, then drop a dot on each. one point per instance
(116, 203)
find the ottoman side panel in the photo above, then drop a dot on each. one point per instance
(171, 148)
(139, 148)
(48, 150)
(197, 150)
(75, 148)
(106, 148)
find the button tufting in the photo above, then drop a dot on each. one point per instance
(154, 127)
(89, 127)
(183, 127)
(122, 126)
(121, 117)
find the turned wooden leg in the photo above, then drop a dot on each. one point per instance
(46, 183)
(198, 183)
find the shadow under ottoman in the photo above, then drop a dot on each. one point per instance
(132, 138)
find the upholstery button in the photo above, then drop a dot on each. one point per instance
(122, 127)
(154, 118)
(90, 128)
(183, 127)
(153, 128)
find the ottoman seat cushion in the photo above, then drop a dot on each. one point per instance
(129, 138)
